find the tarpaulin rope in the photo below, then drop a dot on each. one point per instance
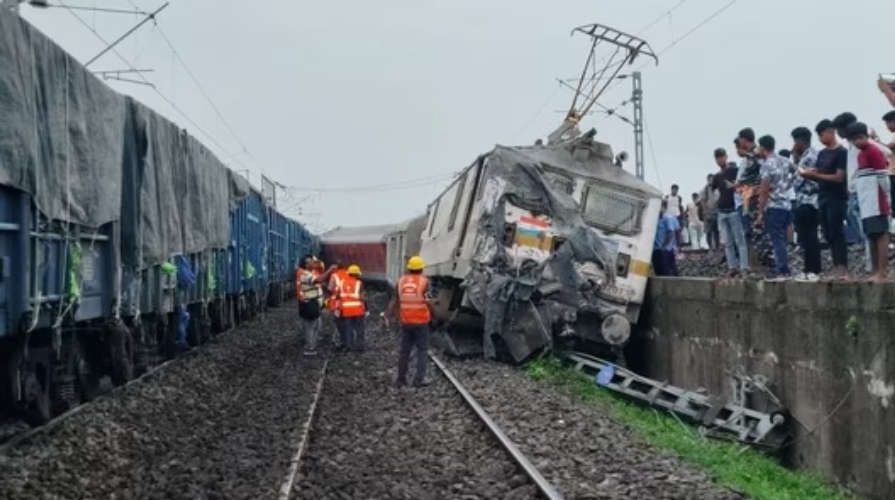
(209, 274)
(35, 283)
(75, 259)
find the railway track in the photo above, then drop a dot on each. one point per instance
(221, 425)
(547, 490)
(315, 468)
(250, 417)
(12, 440)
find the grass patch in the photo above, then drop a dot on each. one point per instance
(729, 464)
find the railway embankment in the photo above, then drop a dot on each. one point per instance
(827, 351)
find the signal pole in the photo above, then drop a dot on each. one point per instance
(637, 100)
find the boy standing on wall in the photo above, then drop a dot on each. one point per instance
(872, 187)
(773, 203)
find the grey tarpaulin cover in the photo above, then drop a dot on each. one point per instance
(505, 294)
(61, 128)
(90, 156)
(177, 195)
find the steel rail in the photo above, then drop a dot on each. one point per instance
(54, 422)
(547, 489)
(25, 436)
(286, 488)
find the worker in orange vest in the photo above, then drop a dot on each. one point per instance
(352, 309)
(415, 314)
(333, 278)
(309, 290)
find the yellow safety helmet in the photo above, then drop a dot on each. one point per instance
(416, 263)
(354, 270)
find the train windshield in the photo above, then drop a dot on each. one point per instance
(612, 210)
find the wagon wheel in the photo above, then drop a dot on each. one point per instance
(33, 378)
(194, 327)
(205, 323)
(142, 349)
(71, 382)
(87, 378)
(121, 345)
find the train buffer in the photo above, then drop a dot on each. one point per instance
(717, 418)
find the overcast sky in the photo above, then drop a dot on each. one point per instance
(360, 94)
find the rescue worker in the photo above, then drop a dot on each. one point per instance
(352, 309)
(309, 289)
(333, 278)
(415, 315)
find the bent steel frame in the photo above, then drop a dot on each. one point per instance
(597, 76)
(720, 419)
(626, 45)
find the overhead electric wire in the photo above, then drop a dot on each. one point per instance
(704, 22)
(676, 41)
(640, 32)
(392, 186)
(652, 149)
(202, 90)
(649, 26)
(171, 103)
(662, 16)
(536, 115)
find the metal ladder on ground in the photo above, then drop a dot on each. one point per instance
(719, 418)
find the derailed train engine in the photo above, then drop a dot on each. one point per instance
(534, 245)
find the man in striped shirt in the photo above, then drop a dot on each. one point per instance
(806, 204)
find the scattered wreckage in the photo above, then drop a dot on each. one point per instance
(553, 241)
(719, 418)
(532, 244)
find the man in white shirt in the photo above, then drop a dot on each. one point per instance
(696, 224)
(854, 233)
(676, 209)
(675, 202)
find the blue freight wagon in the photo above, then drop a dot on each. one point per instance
(280, 267)
(56, 278)
(247, 271)
(121, 236)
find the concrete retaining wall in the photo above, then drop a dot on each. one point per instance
(828, 350)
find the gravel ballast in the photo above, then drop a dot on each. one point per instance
(221, 423)
(373, 440)
(575, 445)
(224, 423)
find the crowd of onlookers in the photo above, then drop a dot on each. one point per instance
(843, 188)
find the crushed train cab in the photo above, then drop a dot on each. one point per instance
(534, 244)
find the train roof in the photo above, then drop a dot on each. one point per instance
(360, 234)
(584, 157)
(367, 234)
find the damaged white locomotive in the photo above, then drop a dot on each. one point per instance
(530, 245)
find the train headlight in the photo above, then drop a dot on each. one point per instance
(616, 329)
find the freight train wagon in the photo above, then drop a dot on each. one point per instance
(549, 242)
(380, 251)
(289, 241)
(119, 233)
